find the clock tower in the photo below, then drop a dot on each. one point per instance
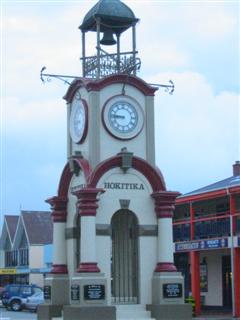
(113, 243)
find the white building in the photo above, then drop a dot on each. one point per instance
(26, 248)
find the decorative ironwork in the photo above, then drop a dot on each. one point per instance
(107, 64)
(47, 77)
(169, 88)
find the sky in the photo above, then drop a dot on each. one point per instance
(197, 129)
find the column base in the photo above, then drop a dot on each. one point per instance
(167, 288)
(89, 289)
(88, 267)
(59, 269)
(56, 289)
(165, 267)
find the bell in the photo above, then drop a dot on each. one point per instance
(107, 39)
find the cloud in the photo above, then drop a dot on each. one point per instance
(211, 21)
(196, 131)
(33, 121)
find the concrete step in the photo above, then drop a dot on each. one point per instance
(132, 312)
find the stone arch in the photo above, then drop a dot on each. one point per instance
(67, 173)
(152, 174)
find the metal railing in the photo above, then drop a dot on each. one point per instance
(109, 64)
(212, 226)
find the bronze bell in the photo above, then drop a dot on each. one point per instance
(107, 39)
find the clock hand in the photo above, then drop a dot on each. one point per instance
(117, 116)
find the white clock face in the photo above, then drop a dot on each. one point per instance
(78, 119)
(123, 117)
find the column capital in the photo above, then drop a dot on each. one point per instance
(164, 203)
(59, 208)
(87, 200)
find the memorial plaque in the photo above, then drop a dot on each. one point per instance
(47, 292)
(172, 290)
(75, 292)
(94, 292)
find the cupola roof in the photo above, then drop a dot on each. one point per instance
(114, 14)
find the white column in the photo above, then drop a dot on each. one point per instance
(59, 248)
(88, 239)
(165, 240)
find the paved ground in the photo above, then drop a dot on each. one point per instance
(22, 315)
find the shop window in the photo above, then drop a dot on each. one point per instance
(23, 257)
(11, 258)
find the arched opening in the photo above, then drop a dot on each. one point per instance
(124, 264)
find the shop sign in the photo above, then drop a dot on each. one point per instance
(202, 244)
(94, 292)
(8, 271)
(172, 290)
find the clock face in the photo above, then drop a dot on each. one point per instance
(78, 119)
(123, 117)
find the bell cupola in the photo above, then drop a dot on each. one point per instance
(109, 19)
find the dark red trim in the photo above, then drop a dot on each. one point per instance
(152, 174)
(164, 203)
(59, 208)
(88, 267)
(165, 267)
(67, 175)
(59, 269)
(208, 195)
(97, 85)
(195, 280)
(87, 201)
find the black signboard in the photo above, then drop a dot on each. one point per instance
(172, 290)
(94, 292)
(47, 292)
(75, 292)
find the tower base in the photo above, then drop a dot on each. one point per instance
(76, 312)
(170, 311)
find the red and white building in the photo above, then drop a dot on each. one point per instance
(207, 243)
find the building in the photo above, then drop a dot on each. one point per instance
(26, 248)
(207, 242)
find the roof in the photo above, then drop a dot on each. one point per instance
(11, 222)
(38, 226)
(113, 13)
(230, 182)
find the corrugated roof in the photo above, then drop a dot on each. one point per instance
(223, 184)
(39, 226)
(11, 222)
